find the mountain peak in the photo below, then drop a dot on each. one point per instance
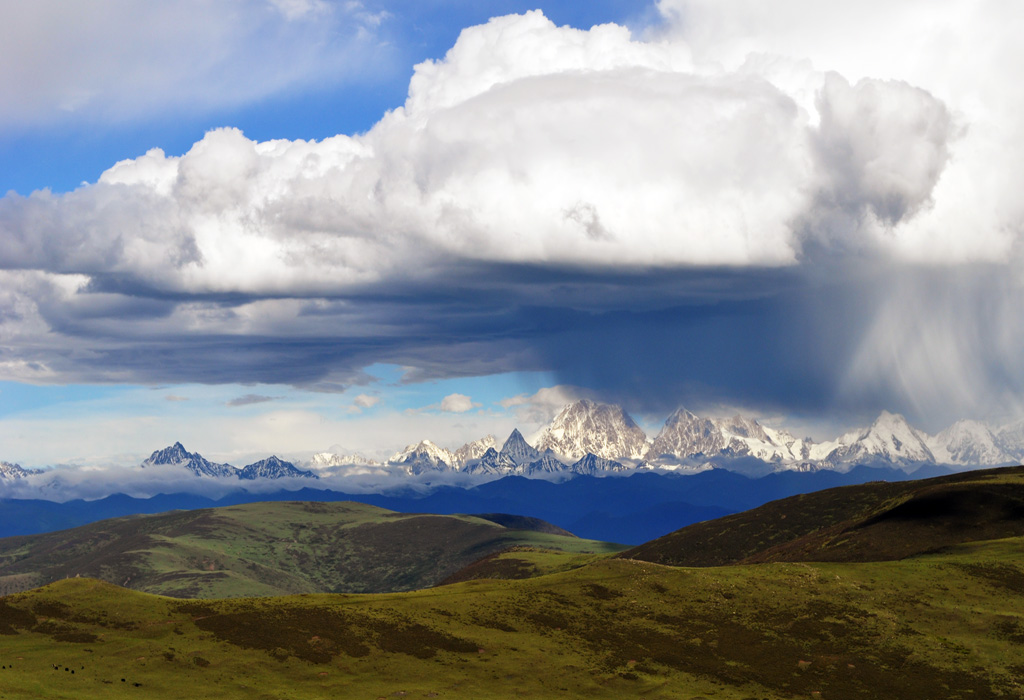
(425, 456)
(970, 442)
(16, 471)
(273, 467)
(585, 426)
(518, 450)
(889, 439)
(177, 455)
(474, 450)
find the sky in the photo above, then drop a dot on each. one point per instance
(289, 226)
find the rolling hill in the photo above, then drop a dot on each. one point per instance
(867, 522)
(273, 549)
(909, 590)
(945, 626)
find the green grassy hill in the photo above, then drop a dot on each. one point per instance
(936, 612)
(936, 626)
(272, 549)
(869, 522)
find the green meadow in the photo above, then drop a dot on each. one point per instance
(936, 626)
(796, 608)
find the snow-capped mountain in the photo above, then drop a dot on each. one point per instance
(686, 435)
(518, 451)
(517, 456)
(1011, 439)
(425, 456)
(324, 460)
(273, 468)
(177, 455)
(601, 439)
(548, 463)
(890, 439)
(969, 442)
(593, 465)
(490, 462)
(474, 450)
(16, 471)
(604, 430)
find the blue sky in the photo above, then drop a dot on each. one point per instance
(70, 149)
(367, 223)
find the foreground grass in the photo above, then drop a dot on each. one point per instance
(938, 626)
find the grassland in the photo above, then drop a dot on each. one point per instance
(272, 549)
(941, 616)
(947, 625)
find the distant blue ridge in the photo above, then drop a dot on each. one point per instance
(629, 510)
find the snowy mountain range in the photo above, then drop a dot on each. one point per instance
(592, 438)
(16, 471)
(587, 437)
(177, 456)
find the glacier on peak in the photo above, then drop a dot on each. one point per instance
(326, 460)
(604, 430)
(424, 456)
(890, 439)
(971, 442)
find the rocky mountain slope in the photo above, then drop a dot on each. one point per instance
(585, 427)
(16, 471)
(177, 456)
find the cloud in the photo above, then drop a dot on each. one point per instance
(116, 60)
(362, 401)
(714, 211)
(796, 43)
(884, 145)
(365, 400)
(528, 143)
(458, 403)
(175, 398)
(250, 399)
(541, 406)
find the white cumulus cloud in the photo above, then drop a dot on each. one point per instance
(527, 143)
(458, 403)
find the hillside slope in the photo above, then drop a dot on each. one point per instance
(868, 522)
(941, 626)
(271, 549)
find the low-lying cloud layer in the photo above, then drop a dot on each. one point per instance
(708, 212)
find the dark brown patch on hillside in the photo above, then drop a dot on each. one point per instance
(12, 619)
(499, 565)
(522, 522)
(317, 635)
